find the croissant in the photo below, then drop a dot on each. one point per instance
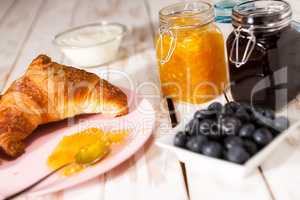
(50, 92)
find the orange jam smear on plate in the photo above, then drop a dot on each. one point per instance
(68, 148)
(197, 70)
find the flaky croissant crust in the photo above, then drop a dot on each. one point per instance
(50, 92)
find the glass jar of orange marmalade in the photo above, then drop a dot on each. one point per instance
(190, 52)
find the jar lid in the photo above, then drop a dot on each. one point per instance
(262, 15)
(187, 14)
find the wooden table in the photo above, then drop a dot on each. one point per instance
(27, 28)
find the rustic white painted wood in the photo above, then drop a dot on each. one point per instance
(15, 27)
(53, 17)
(27, 28)
(6, 6)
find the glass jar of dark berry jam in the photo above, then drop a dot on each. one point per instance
(264, 54)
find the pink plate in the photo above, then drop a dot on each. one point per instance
(31, 166)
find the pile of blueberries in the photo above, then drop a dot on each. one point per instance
(233, 132)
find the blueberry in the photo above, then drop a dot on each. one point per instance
(230, 125)
(192, 128)
(261, 120)
(198, 115)
(232, 141)
(205, 126)
(246, 107)
(250, 147)
(234, 105)
(263, 116)
(195, 143)
(212, 149)
(262, 136)
(269, 113)
(227, 110)
(215, 132)
(281, 123)
(187, 129)
(247, 131)
(220, 121)
(205, 114)
(237, 154)
(242, 114)
(231, 106)
(222, 116)
(257, 110)
(249, 109)
(253, 119)
(215, 106)
(275, 133)
(180, 139)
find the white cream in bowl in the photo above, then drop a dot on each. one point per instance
(92, 44)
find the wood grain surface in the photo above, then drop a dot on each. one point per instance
(27, 28)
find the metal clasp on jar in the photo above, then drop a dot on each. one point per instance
(165, 30)
(242, 59)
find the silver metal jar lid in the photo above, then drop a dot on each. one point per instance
(262, 15)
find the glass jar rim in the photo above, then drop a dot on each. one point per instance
(262, 15)
(194, 9)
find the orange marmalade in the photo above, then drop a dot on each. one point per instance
(69, 147)
(191, 55)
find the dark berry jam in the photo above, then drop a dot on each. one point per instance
(271, 76)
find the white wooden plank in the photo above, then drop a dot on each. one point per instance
(5, 8)
(282, 172)
(53, 18)
(204, 185)
(83, 191)
(15, 28)
(281, 169)
(153, 10)
(295, 4)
